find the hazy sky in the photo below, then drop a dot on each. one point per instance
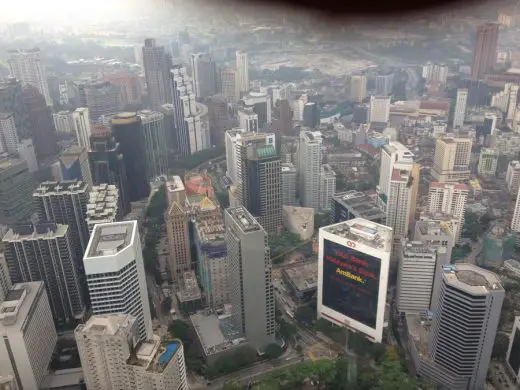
(66, 10)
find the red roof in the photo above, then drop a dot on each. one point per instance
(368, 149)
(435, 105)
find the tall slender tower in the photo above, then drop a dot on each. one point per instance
(204, 72)
(310, 158)
(26, 66)
(115, 273)
(155, 143)
(485, 53)
(81, 126)
(157, 64)
(460, 108)
(251, 289)
(242, 66)
(177, 227)
(449, 199)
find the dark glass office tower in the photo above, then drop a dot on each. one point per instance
(127, 131)
(107, 164)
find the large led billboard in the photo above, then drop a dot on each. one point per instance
(350, 284)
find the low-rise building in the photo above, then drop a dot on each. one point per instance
(355, 204)
(189, 296)
(302, 279)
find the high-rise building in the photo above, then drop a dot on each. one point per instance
(8, 134)
(45, 252)
(65, 203)
(327, 186)
(169, 126)
(29, 336)
(103, 206)
(391, 154)
(74, 165)
(248, 120)
(155, 143)
(513, 351)
(309, 168)
(485, 53)
(63, 122)
(191, 135)
(399, 202)
(416, 274)
(107, 164)
(379, 109)
(513, 177)
(115, 273)
(126, 128)
(449, 199)
(26, 153)
(464, 326)
(259, 102)
(250, 286)
(459, 112)
(353, 264)
(242, 66)
(16, 187)
(112, 356)
(515, 221)
(40, 122)
(129, 87)
(218, 118)
(231, 153)
(157, 64)
(26, 66)
(103, 100)
(288, 184)
(11, 101)
(311, 115)
(204, 73)
(282, 118)
(229, 84)
(177, 227)
(488, 162)
(384, 84)
(512, 107)
(435, 73)
(81, 126)
(5, 278)
(452, 158)
(259, 179)
(358, 88)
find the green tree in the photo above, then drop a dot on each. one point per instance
(322, 219)
(180, 330)
(287, 330)
(305, 315)
(166, 305)
(272, 351)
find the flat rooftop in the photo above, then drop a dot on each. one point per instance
(360, 205)
(244, 219)
(213, 333)
(288, 168)
(18, 304)
(189, 289)
(174, 183)
(103, 204)
(109, 325)
(26, 232)
(110, 238)
(303, 277)
(154, 355)
(65, 186)
(369, 233)
(418, 329)
(471, 278)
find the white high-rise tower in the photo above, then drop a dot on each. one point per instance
(242, 64)
(460, 108)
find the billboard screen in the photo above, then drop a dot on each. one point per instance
(351, 282)
(514, 355)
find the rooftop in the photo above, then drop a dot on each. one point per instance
(108, 239)
(154, 355)
(174, 183)
(360, 205)
(18, 304)
(418, 329)
(471, 278)
(288, 168)
(210, 331)
(244, 219)
(303, 216)
(369, 233)
(103, 204)
(42, 230)
(189, 289)
(455, 186)
(62, 187)
(109, 325)
(304, 276)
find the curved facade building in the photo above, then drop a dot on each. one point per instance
(126, 128)
(155, 143)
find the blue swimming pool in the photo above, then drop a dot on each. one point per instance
(168, 354)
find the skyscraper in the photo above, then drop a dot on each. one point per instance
(289, 175)
(104, 205)
(177, 227)
(16, 187)
(327, 186)
(250, 285)
(204, 73)
(218, 118)
(44, 252)
(248, 120)
(65, 203)
(63, 122)
(75, 165)
(488, 162)
(126, 128)
(464, 326)
(384, 84)
(452, 158)
(259, 179)
(81, 126)
(29, 336)
(115, 272)
(379, 109)
(157, 64)
(485, 53)
(40, 120)
(155, 143)
(309, 161)
(259, 102)
(129, 87)
(107, 165)
(513, 177)
(399, 202)
(26, 66)
(229, 84)
(231, 152)
(242, 66)
(11, 100)
(311, 115)
(459, 112)
(103, 100)
(358, 88)
(416, 274)
(112, 356)
(9, 136)
(191, 135)
(449, 199)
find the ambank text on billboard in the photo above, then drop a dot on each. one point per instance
(351, 282)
